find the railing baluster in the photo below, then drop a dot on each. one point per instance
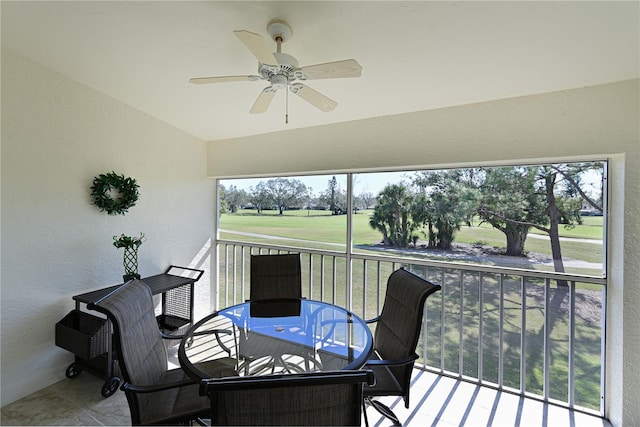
(461, 325)
(364, 288)
(322, 279)
(603, 349)
(425, 334)
(547, 337)
(335, 274)
(572, 343)
(443, 329)
(523, 336)
(311, 279)
(242, 278)
(379, 288)
(480, 327)
(226, 275)
(501, 332)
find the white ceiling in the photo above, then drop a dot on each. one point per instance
(415, 55)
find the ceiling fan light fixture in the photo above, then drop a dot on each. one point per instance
(279, 81)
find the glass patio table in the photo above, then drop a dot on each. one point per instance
(276, 336)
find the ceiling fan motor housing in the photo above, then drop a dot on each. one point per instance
(286, 61)
(280, 75)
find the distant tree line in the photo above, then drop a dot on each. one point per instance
(289, 194)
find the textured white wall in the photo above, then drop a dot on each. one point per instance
(596, 122)
(56, 136)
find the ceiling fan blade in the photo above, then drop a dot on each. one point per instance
(256, 44)
(221, 79)
(313, 97)
(263, 101)
(333, 70)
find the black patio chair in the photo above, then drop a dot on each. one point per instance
(275, 276)
(156, 395)
(395, 339)
(329, 398)
(272, 277)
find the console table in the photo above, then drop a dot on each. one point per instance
(89, 337)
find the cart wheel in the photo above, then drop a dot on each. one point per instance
(73, 371)
(110, 386)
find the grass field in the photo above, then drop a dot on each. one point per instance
(321, 230)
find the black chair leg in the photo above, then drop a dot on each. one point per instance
(384, 410)
(364, 412)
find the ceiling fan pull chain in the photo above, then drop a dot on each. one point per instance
(286, 113)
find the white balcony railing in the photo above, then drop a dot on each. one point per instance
(532, 333)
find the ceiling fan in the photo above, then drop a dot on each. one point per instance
(283, 72)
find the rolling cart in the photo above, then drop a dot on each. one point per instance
(89, 337)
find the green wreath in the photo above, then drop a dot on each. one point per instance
(101, 189)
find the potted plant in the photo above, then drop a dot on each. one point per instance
(130, 260)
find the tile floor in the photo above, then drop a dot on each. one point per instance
(435, 401)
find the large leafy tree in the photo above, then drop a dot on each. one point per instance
(223, 206)
(509, 202)
(286, 193)
(334, 197)
(557, 187)
(448, 201)
(392, 215)
(259, 196)
(234, 198)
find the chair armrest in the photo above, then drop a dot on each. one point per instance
(398, 362)
(375, 319)
(211, 331)
(214, 331)
(154, 388)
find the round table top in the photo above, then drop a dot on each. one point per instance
(275, 336)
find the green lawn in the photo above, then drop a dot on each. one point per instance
(333, 226)
(591, 228)
(321, 230)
